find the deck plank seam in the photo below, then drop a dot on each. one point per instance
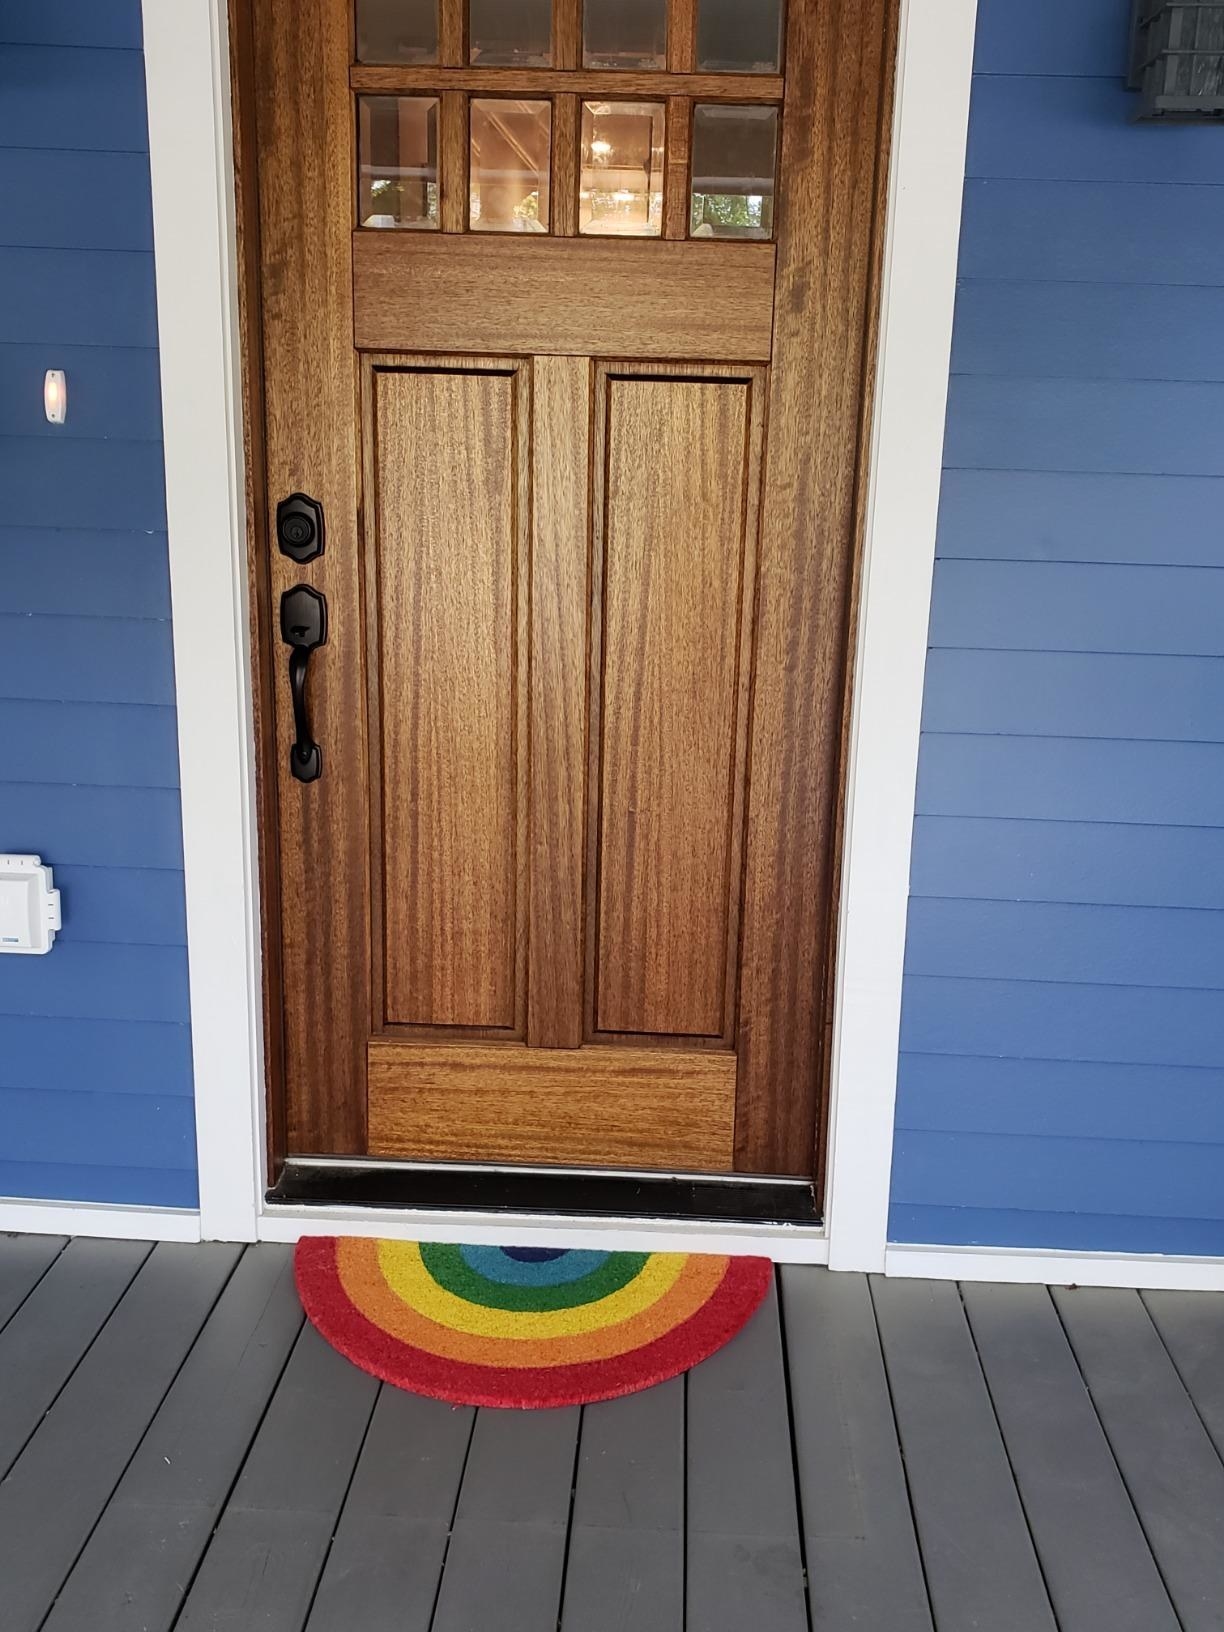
(905, 1473)
(80, 1359)
(569, 1521)
(977, 1354)
(1194, 1406)
(1143, 1529)
(454, 1514)
(30, 1291)
(684, 1502)
(794, 1447)
(341, 1505)
(161, 1400)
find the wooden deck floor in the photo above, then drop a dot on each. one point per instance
(178, 1451)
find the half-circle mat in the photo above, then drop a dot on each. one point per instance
(523, 1326)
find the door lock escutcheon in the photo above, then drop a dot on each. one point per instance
(303, 618)
(299, 528)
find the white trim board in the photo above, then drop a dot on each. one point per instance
(194, 231)
(98, 1219)
(1046, 1267)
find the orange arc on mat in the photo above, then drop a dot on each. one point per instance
(362, 1278)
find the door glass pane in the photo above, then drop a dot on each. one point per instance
(509, 170)
(739, 36)
(734, 160)
(515, 33)
(625, 34)
(397, 30)
(621, 191)
(397, 148)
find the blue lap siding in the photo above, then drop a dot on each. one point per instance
(95, 1048)
(1061, 1079)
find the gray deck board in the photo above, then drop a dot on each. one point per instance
(862, 1554)
(187, 1456)
(745, 1565)
(43, 1342)
(64, 1477)
(385, 1564)
(140, 1559)
(1173, 1473)
(625, 1571)
(24, 1260)
(1097, 1566)
(263, 1564)
(506, 1558)
(966, 1506)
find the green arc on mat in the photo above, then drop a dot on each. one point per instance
(448, 1268)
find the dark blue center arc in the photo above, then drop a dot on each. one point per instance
(534, 1255)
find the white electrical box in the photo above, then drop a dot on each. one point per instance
(29, 905)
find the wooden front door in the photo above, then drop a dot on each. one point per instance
(564, 321)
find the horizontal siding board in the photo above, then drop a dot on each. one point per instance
(1139, 1178)
(1048, 1020)
(1107, 864)
(1071, 516)
(1083, 779)
(113, 1186)
(77, 297)
(142, 905)
(65, 483)
(1068, 1232)
(1139, 427)
(1052, 37)
(93, 826)
(117, 1056)
(1053, 941)
(1072, 1099)
(1110, 232)
(89, 574)
(113, 392)
(75, 200)
(86, 1128)
(71, 22)
(102, 744)
(89, 980)
(1076, 694)
(1050, 128)
(91, 659)
(74, 97)
(1089, 330)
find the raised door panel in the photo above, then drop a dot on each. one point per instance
(680, 470)
(447, 507)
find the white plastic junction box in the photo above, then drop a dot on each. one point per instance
(29, 905)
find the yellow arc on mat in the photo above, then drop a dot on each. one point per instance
(405, 1273)
(362, 1278)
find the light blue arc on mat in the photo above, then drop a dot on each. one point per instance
(494, 1265)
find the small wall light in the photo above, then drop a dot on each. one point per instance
(55, 396)
(1177, 59)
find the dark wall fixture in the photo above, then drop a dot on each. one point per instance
(1177, 59)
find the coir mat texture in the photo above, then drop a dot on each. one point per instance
(523, 1326)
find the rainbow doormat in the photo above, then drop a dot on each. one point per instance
(523, 1326)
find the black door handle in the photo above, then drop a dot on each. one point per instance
(303, 613)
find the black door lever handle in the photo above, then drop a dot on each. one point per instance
(303, 614)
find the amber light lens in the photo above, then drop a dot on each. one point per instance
(621, 188)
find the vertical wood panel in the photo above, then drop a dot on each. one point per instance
(839, 56)
(673, 516)
(446, 504)
(453, 161)
(560, 599)
(682, 35)
(565, 166)
(676, 175)
(306, 159)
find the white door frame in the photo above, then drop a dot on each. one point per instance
(187, 67)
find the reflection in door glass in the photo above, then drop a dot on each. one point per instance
(397, 148)
(514, 33)
(621, 190)
(397, 30)
(739, 36)
(624, 34)
(509, 169)
(734, 159)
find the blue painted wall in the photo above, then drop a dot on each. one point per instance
(95, 1051)
(1062, 1075)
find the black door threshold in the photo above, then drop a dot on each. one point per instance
(749, 1200)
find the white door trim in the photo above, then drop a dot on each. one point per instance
(186, 55)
